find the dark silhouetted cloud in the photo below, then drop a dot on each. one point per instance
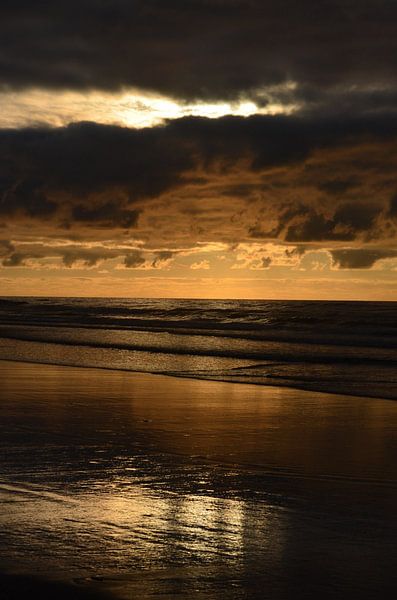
(348, 220)
(393, 207)
(360, 258)
(161, 258)
(134, 259)
(87, 257)
(14, 260)
(197, 179)
(6, 248)
(45, 171)
(198, 48)
(108, 214)
(266, 262)
(96, 174)
(336, 187)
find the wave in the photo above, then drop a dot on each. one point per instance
(324, 346)
(205, 314)
(331, 337)
(198, 345)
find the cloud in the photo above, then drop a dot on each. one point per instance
(14, 260)
(393, 207)
(86, 257)
(356, 217)
(6, 248)
(82, 255)
(27, 197)
(307, 182)
(108, 214)
(19, 253)
(86, 173)
(202, 264)
(134, 259)
(348, 221)
(97, 174)
(162, 259)
(11, 255)
(337, 187)
(360, 258)
(312, 177)
(197, 48)
(257, 257)
(266, 262)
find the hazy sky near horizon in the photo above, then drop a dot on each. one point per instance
(199, 148)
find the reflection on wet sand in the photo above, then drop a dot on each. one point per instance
(146, 485)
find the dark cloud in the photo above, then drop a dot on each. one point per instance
(360, 258)
(77, 168)
(337, 187)
(348, 221)
(302, 223)
(274, 140)
(97, 175)
(87, 257)
(286, 214)
(134, 259)
(242, 190)
(297, 251)
(196, 48)
(356, 217)
(10, 256)
(16, 255)
(6, 248)
(266, 261)
(360, 97)
(108, 214)
(162, 257)
(316, 227)
(393, 207)
(26, 197)
(15, 259)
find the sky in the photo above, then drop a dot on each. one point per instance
(199, 148)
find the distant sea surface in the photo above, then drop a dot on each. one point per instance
(342, 347)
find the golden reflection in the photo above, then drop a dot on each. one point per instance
(160, 482)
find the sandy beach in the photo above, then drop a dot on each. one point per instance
(134, 485)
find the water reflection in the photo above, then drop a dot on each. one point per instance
(133, 528)
(168, 486)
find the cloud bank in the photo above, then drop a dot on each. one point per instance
(307, 181)
(198, 48)
(280, 171)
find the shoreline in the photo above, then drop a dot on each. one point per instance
(157, 388)
(198, 378)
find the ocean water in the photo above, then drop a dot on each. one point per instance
(182, 487)
(343, 347)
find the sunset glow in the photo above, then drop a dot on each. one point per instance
(122, 167)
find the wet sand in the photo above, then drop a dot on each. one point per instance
(135, 485)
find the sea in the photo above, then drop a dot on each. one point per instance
(342, 347)
(117, 484)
